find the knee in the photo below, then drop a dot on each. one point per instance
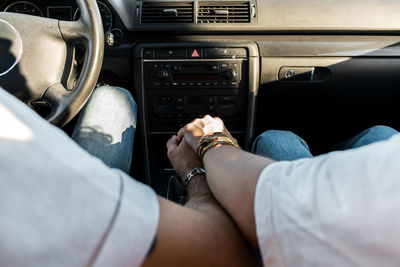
(274, 135)
(113, 96)
(271, 138)
(381, 131)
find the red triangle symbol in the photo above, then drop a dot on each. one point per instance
(195, 54)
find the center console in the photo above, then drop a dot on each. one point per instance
(178, 82)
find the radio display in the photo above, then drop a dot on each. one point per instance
(195, 77)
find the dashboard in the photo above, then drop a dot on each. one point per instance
(235, 16)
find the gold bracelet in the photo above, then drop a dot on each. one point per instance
(216, 143)
(205, 140)
(209, 141)
(208, 138)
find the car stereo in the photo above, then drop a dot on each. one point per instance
(194, 74)
(181, 84)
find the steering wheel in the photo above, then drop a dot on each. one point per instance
(36, 59)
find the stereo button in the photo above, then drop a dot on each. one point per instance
(211, 99)
(148, 53)
(170, 53)
(210, 108)
(229, 74)
(162, 74)
(214, 67)
(179, 99)
(164, 99)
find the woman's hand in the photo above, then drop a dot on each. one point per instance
(198, 128)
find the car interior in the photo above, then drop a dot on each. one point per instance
(323, 69)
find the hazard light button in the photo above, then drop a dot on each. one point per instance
(195, 53)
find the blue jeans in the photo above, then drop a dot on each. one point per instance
(285, 145)
(107, 125)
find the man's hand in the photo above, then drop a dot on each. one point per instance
(182, 156)
(232, 174)
(200, 127)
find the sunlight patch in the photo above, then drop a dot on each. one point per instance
(12, 127)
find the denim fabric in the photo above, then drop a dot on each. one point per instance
(281, 145)
(285, 145)
(107, 125)
(369, 136)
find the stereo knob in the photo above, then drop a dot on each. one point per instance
(162, 74)
(229, 74)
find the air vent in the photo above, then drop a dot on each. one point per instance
(167, 12)
(223, 12)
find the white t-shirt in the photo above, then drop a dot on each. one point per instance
(340, 209)
(60, 206)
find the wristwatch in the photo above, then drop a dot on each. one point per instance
(192, 174)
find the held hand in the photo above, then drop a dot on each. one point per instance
(182, 156)
(201, 127)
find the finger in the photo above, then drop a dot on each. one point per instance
(219, 121)
(182, 143)
(225, 130)
(198, 122)
(208, 119)
(216, 125)
(180, 133)
(172, 143)
(209, 129)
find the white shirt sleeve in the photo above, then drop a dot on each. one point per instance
(134, 229)
(60, 206)
(338, 209)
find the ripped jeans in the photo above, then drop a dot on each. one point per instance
(107, 125)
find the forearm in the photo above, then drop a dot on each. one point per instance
(199, 195)
(201, 199)
(232, 175)
(201, 232)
